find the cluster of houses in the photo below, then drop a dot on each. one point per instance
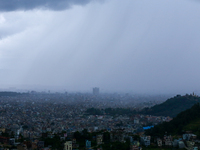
(188, 141)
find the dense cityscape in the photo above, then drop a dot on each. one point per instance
(33, 116)
(77, 121)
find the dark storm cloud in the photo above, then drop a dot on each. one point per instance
(12, 5)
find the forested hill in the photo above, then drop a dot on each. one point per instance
(187, 120)
(173, 106)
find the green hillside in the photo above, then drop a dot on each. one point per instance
(173, 106)
(184, 121)
(193, 126)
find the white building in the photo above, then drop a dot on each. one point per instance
(68, 145)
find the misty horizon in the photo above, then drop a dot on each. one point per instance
(141, 46)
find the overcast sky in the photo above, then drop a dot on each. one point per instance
(140, 46)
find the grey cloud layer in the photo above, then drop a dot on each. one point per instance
(12, 5)
(141, 46)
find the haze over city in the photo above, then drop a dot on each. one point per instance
(138, 46)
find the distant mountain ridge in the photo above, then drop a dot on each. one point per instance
(173, 106)
(9, 93)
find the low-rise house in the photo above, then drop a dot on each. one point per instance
(12, 141)
(4, 140)
(175, 143)
(88, 144)
(189, 137)
(190, 144)
(74, 141)
(168, 140)
(136, 121)
(27, 144)
(34, 145)
(145, 140)
(117, 135)
(2, 130)
(68, 145)
(159, 142)
(99, 139)
(46, 148)
(136, 143)
(75, 145)
(134, 147)
(181, 144)
(40, 144)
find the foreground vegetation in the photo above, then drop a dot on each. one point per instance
(186, 120)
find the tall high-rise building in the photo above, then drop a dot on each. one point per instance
(95, 90)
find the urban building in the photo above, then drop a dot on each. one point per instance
(95, 90)
(99, 139)
(68, 145)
